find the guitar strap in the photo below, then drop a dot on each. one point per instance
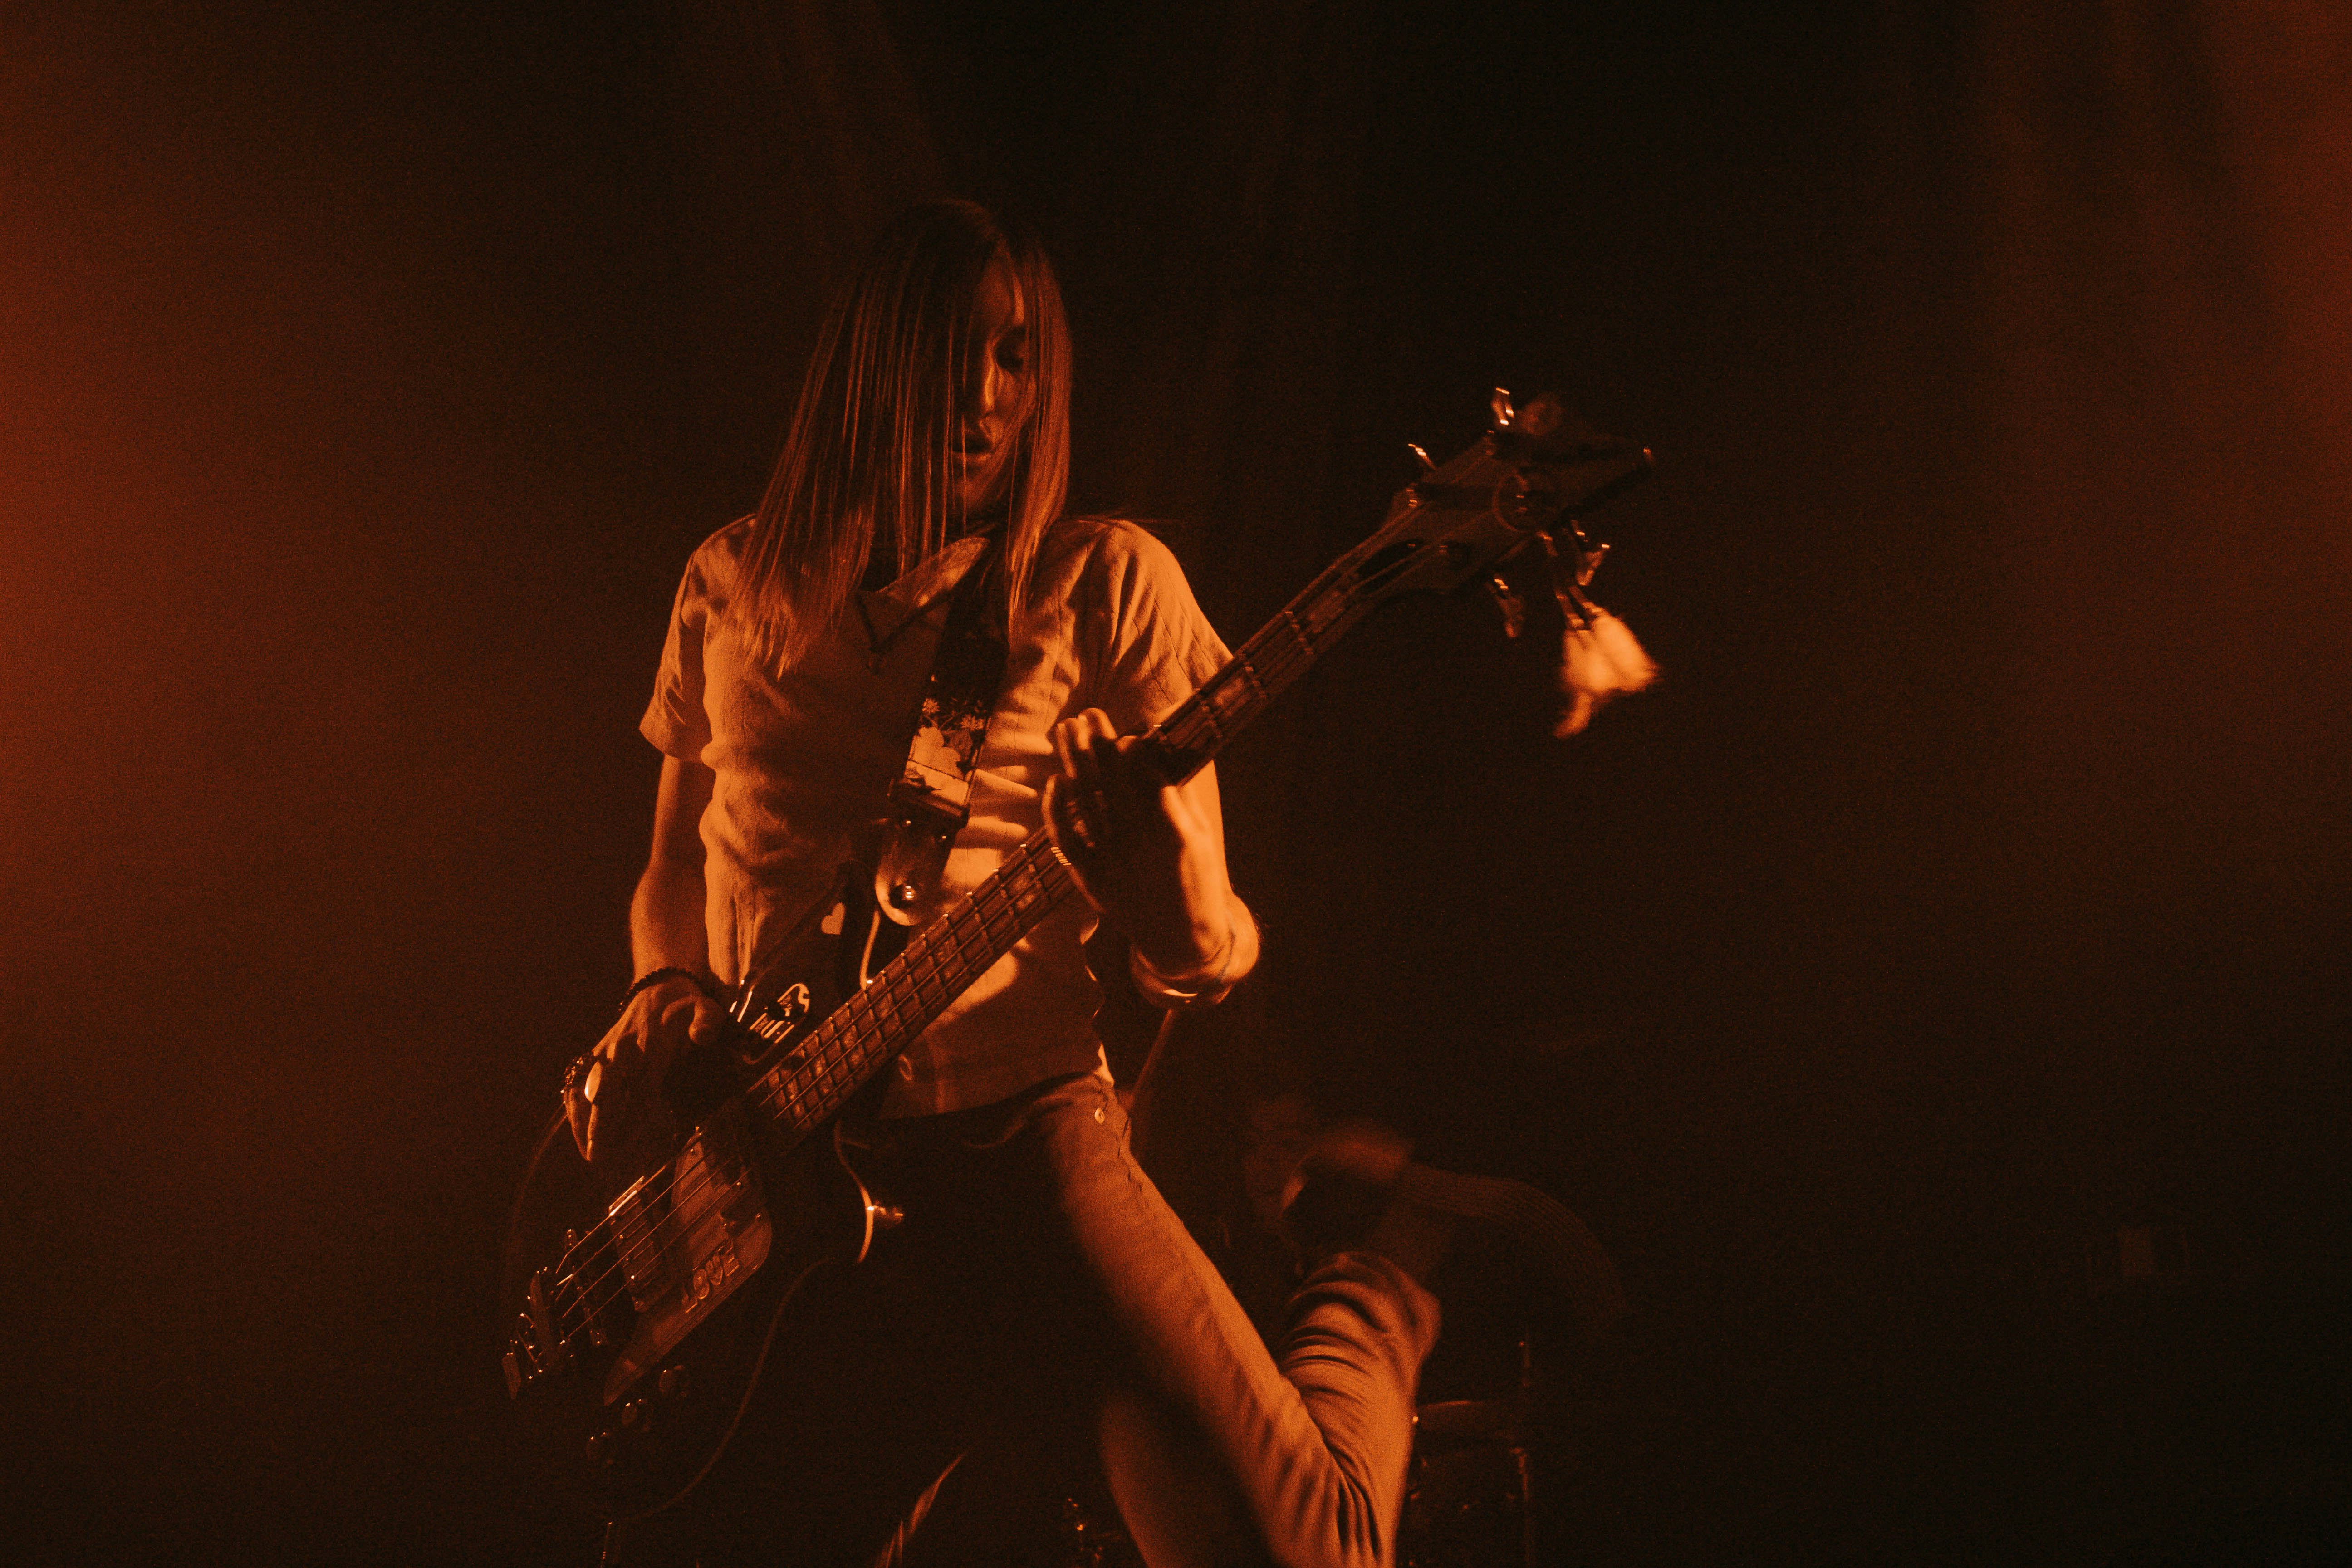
(930, 800)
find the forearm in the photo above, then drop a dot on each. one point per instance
(666, 931)
(666, 919)
(1209, 928)
(1210, 974)
(1192, 948)
(656, 1021)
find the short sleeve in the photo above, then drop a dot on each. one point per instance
(1157, 647)
(676, 720)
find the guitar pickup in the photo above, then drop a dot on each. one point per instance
(673, 1222)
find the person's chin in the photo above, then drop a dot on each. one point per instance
(976, 490)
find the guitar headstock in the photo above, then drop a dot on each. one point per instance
(1526, 480)
(1536, 467)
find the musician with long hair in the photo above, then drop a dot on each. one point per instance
(931, 441)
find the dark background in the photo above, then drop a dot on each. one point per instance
(1973, 887)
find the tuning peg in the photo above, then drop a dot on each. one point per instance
(1499, 405)
(1421, 457)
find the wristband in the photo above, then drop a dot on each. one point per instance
(653, 977)
(1203, 986)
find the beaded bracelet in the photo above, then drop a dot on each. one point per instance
(656, 976)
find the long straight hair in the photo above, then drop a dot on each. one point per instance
(866, 465)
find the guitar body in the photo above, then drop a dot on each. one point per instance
(643, 1293)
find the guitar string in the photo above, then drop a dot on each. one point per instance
(1270, 672)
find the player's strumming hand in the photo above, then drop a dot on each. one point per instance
(607, 1102)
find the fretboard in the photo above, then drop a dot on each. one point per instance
(941, 959)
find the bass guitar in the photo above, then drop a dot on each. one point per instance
(643, 1304)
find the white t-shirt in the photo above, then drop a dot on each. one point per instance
(804, 761)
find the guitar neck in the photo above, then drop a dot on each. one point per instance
(1269, 663)
(811, 1082)
(939, 965)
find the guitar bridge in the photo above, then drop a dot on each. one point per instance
(537, 1344)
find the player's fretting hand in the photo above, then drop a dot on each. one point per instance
(1141, 851)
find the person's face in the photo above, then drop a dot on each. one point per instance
(992, 401)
